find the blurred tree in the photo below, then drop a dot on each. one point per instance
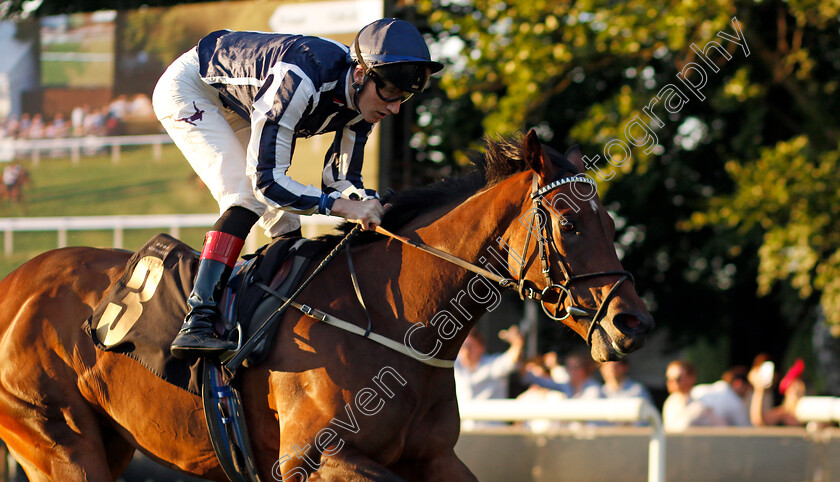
(737, 196)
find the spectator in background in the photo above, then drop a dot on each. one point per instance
(59, 126)
(618, 385)
(12, 127)
(479, 376)
(36, 127)
(542, 389)
(119, 107)
(681, 409)
(23, 126)
(791, 386)
(738, 378)
(94, 122)
(77, 120)
(141, 108)
(581, 384)
(556, 371)
(722, 398)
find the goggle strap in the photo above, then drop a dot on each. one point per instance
(359, 53)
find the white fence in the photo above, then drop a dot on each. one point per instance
(818, 409)
(75, 146)
(610, 410)
(172, 222)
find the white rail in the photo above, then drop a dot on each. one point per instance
(610, 410)
(818, 409)
(11, 148)
(174, 222)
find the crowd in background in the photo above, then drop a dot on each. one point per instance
(744, 396)
(82, 120)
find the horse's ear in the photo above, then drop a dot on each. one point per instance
(575, 156)
(537, 158)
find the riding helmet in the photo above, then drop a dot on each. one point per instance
(394, 50)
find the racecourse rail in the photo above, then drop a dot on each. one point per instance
(76, 146)
(174, 222)
(609, 410)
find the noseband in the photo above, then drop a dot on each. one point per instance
(545, 245)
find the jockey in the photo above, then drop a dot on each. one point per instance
(234, 106)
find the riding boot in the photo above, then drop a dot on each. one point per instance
(198, 337)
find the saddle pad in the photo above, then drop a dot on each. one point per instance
(280, 266)
(143, 311)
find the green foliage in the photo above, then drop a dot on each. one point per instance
(792, 193)
(738, 195)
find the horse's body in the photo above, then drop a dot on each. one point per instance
(324, 397)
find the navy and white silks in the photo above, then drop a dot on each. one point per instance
(235, 104)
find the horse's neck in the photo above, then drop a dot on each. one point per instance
(451, 297)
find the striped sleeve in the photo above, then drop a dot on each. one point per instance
(343, 163)
(282, 101)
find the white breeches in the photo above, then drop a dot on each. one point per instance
(214, 140)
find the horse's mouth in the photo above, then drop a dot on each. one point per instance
(612, 344)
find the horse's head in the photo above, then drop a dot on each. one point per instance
(569, 261)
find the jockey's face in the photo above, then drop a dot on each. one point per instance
(372, 107)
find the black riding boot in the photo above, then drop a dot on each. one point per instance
(198, 337)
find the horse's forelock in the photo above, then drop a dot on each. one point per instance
(506, 156)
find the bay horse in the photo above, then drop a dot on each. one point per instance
(325, 404)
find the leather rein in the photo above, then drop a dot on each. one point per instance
(545, 244)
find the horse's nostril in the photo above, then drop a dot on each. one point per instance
(630, 322)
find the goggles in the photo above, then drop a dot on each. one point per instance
(387, 91)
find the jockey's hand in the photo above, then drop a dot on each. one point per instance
(367, 213)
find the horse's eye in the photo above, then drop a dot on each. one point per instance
(567, 225)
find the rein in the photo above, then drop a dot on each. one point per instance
(546, 238)
(545, 243)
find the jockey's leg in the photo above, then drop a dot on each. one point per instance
(221, 250)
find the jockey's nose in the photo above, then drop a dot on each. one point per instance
(394, 107)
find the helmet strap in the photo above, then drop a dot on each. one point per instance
(357, 89)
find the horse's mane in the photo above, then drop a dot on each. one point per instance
(502, 158)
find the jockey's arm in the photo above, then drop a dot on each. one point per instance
(269, 158)
(357, 203)
(274, 187)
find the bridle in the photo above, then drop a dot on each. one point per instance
(545, 244)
